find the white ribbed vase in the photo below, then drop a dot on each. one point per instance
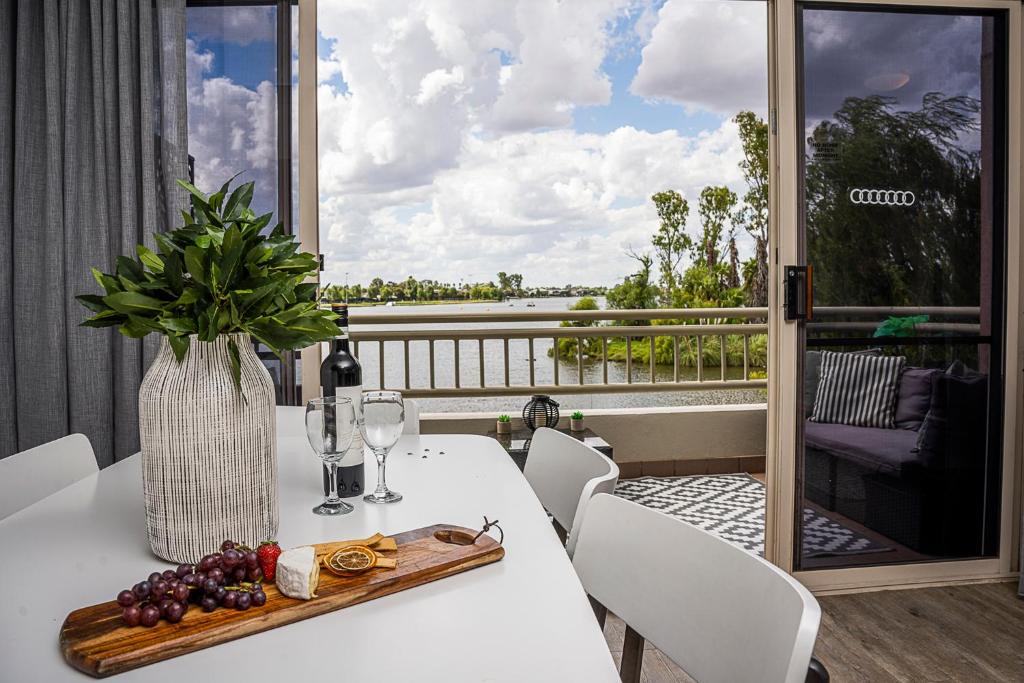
(209, 458)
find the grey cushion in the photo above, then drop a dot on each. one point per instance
(812, 375)
(915, 397)
(858, 389)
(881, 450)
(954, 428)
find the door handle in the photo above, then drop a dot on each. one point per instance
(799, 299)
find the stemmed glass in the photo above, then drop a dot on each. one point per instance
(381, 426)
(330, 428)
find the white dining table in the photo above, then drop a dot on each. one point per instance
(523, 619)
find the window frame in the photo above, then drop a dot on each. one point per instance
(285, 206)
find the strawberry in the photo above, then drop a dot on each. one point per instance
(267, 554)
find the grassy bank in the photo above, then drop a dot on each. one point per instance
(663, 355)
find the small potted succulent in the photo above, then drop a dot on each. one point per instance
(576, 422)
(504, 424)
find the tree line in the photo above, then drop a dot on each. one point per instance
(427, 290)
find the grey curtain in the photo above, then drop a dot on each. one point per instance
(92, 136)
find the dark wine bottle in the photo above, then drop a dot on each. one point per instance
(341, 375)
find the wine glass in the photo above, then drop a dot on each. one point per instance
(381, 425)
(330, 427)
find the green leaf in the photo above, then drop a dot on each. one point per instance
(216, 235)
(128, 285)
(172, 273)
(179, 344)
(293, 312)
(179, 325)
(232, 250)
(108, 282)
(107, 318)
(136, 327)
(197, 196)
(277, 339)
(194, 263)
(215, 200)
(133, 302)
(166, 244)
(239, 199)
(94, 302)
(127, 268)
(203, 325)
(306, 291)
(313, 326)
(188, 297)
(299, 264)
(149, 259)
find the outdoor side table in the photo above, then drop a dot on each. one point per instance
(517, 444)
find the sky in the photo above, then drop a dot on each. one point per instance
(458, 139)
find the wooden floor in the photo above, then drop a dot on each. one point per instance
(957, 633)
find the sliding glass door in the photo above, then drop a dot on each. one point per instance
(894, 288)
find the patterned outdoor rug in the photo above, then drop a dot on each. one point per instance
(731, 506)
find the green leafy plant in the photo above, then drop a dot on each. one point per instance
(217, 274)
(577, 415)
(504, 418)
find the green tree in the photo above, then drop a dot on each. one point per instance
(568, 348)
(373, 291)
(636, 290)
(671, 241)
(926, 254)
(515, 280)
(753, 212)
(714, 207)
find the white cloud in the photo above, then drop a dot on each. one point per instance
(231, 129)
(557, 206)
(707, 55)
(557, 63)
(239, 25)
(450, 154)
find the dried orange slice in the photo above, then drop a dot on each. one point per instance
(357, 558)
(352, 559)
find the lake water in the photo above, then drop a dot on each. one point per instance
(519, 365)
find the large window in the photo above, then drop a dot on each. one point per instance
(482, 151)
(242, 72)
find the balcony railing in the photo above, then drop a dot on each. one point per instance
(401, 333)
(435, 329)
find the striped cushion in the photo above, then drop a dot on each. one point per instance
(858, 390)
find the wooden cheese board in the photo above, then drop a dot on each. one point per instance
(95, 641)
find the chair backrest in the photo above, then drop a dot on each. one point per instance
(719, 612)
(565, 473)
(412, 417)
(32, 475)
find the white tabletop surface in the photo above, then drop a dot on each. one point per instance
(523, 619)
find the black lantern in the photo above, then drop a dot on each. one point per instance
(541, 411)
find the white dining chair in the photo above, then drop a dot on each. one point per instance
(719, 612)
(565, 473)
(412, 417)
(32, 475)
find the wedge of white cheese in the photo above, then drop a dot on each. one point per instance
(298, 572)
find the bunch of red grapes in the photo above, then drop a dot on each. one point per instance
(229, 579)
